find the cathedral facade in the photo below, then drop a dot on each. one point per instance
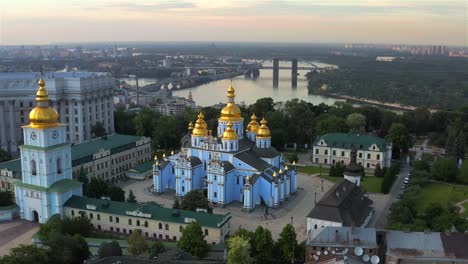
(237, 165)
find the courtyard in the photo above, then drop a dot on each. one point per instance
(295, 209)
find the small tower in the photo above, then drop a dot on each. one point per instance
(157, 176)
(230, 138)
(200, 131)
(252, 127)
(231, 112)
(353, 171)
(263, 138)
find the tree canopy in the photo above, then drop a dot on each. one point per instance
(192, 240)
(193, 200)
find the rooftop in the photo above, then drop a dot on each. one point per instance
(153, 210)
(345, 237)
(415, 244)
(144, 167)
(349, 140)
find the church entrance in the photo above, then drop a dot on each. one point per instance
(35, 216)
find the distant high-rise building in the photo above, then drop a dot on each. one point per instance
(81, 98)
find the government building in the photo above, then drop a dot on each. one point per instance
(81, 98)
(336, 147)
(235, 165)
(47, 188)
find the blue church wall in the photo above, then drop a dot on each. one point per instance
(197, 177)
(235, 183)
(262, 190)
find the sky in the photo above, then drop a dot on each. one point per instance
(443, 22)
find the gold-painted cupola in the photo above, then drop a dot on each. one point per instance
(200, 126)
(229, 133)
(231, 111)
(263, 131)
(43, 115)
(253, 125)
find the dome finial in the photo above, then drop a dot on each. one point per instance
(231, 91)
(43, 115)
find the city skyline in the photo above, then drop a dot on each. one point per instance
(356, 21)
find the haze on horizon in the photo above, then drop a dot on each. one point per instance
(303, 21)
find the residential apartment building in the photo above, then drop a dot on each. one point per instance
(336, 147)
(81, 98)
(108, 158)
(154, 221)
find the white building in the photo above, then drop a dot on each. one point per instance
(336, 147)
(81, 99)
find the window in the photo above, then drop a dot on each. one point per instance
(146, 223)
(183, 188)
(99, 227)
(180, 229)
(325, 161)
(118, 229)
(342, 153)
(215, 178)
(110, 218)
(237, 179)
(33, 167)
(129, 221)
(111, 228)
(326, 152)
(215, 194)
(98, 217)
(59, 166)
(167, 237)
(334, 153)
(333, 161)
(315, 226)
(316, 151)
(167, 227)
(368, 155)
(206, 232)
(91, 216)
(378, 156)
(160, 225)
(73, 212)
(125, 231)
(160, 236)
(368, 165)
(138, 222)
(146, 234)
(316, 160)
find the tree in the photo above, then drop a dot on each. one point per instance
(116, 194)
(387, 182)
(463, 174)
(83, 178)
(401, 139)
(239, 251)
(156, 249)
(378, 171)
(421, 165)
(193, 200)
(263, 242)
(176, 204)
(6, 198)
(137, 243)
(53, 225)
(444, 169)
(131, 197)
(287, 241)
(98, 130)
(108, 249)
(77, 225)
(356, 122)
(262, 105)
(192, 240)
(30, 254)
(4, 156)
(97, 188)
(67, 249)
(330, 123)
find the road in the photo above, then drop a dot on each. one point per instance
(380, 219)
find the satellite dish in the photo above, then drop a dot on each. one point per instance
(358, 251)
(365, 257)
(333, 252)
(345, 251)
(315, 257)
(374, 259)
(325, 252)
(318, 253)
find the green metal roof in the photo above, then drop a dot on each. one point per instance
(157, 212)
(12, 165)
(58, 187)
(349, 140)
(144, 167)
(83, 152)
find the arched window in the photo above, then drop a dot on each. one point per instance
(91, 216)
(98, 217)
(110, 218)
(130, 221)
(315, 226)
(160, 226)
(59, 166)
(167, 227)
(146, 223)
(116, 219)
(180, 229)
(73, 212)
(206, 232)
(33, 167)
(138, 222)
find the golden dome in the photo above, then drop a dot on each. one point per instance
(263, 131)
(229, 133)
(231, 110)
(190, 126)
(253, 124)
(200, 126)
(43, 116)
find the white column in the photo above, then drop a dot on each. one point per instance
(87, 120)
(99, 109)
(3, 138)
(13, 143)
(209, 179)
(93, 110)
(275, 195)
(71, 117)
(111, 113)
(221, 194)
(105, 114)
(281, 190)
(80, 121)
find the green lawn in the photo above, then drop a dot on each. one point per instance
(372, 184)
(313, 170)
(441, 193)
